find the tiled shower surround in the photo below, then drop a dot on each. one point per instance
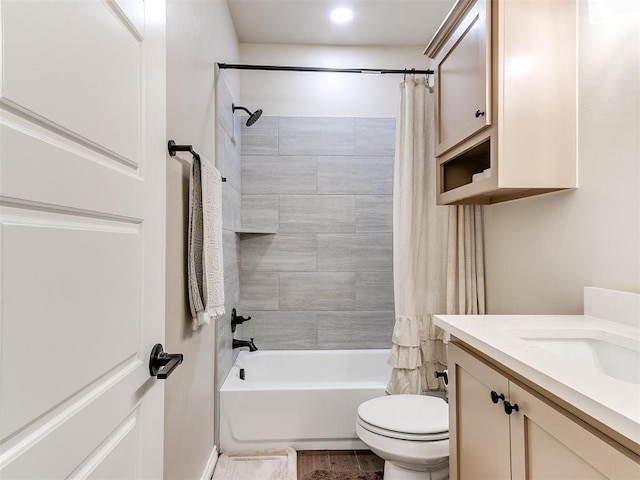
(324, 280)
(229, 157)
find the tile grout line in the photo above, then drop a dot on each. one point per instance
(358, 461)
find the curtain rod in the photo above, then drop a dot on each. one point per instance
(279, 68)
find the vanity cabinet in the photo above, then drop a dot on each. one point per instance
(502, 429)
(505, 96)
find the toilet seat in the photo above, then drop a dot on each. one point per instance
(406, 417)
(403, 435)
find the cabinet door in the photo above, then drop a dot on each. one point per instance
(478, 428)
(463, 79)
(548, 445)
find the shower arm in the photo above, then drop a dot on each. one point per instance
(237, 107)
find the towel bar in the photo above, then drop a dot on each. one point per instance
(173, 148)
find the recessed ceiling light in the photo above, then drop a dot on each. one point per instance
(341, 15)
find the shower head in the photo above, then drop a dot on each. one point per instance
(253, 117)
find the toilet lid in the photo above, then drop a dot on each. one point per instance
(419, 415)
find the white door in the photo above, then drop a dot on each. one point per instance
(82, 207)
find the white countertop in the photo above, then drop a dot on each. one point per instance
(613, 402)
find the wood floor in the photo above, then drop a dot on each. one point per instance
(338, 460)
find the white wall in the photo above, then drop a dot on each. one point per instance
(305, 94)
(199, 33)
(541, 251)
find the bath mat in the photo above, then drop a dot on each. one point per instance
(276, 464)
(332, 475)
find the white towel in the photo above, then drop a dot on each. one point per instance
(205, 263)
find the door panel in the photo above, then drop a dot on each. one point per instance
(56, 444)
(98, 186)
(82, 232)
(66, 58)
(479, 429)
(545, 444)
(115, 457)
(132, 13)
(76, 333)
(550, 459)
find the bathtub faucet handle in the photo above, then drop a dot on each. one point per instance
(236, 320)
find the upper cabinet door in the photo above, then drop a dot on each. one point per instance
(463, 79)
(491, 145)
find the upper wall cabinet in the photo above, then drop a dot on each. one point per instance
(464, 73)
(506, 114)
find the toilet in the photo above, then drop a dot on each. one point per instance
(410, 433)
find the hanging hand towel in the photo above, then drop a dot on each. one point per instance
(205, 263)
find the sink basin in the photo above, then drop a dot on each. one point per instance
(614, 355)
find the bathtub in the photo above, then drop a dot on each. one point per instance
(302, 399)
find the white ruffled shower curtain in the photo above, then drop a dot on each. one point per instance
(437, 251)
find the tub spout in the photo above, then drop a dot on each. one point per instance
(244, 343)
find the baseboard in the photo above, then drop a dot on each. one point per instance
(211, 464)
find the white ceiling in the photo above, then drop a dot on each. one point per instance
(307, 22)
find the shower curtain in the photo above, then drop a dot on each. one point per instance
(437, 250)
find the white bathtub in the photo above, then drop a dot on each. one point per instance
(302, 399)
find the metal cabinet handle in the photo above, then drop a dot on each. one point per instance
(495, 397)
(509, 408)
(479, 114)
(162, 364)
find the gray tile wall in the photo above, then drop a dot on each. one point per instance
(324, 281)
(228, 161)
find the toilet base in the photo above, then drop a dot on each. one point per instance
(394, 472)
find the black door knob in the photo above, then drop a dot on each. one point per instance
(495, 397)
(509, 408)
(479, 113)
(162, 364)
